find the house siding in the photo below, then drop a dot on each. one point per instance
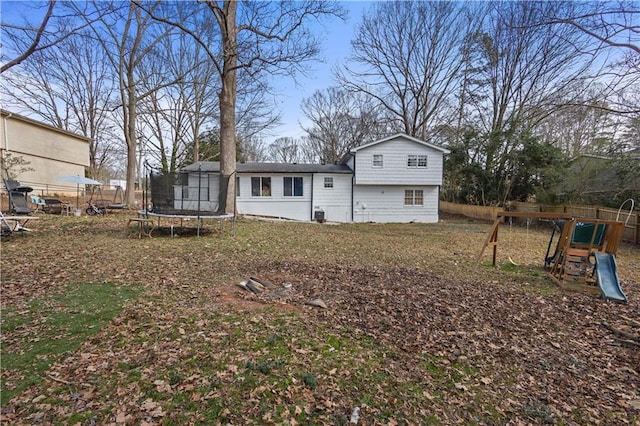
(360, 192)
(395, 170)
(190, 202)
(334, 202)
(276, 205)
(50, 152)
(373, 203)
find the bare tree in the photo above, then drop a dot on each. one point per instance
(611, 24)
(339, 121)
(519, 72)
(308, 151)
(171, 116)
(285, 150)
(581, 127)
(68, 87)
(12, 166)
(35, 38)
(128, 36)
(522, 69)
(614, 29)
(40, 31)
(406, 55)
(253, 148)
(255, 114)
(254, 37)
(164, 125)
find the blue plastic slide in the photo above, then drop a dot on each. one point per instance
(608, 277)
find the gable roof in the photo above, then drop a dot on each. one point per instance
(7, 115)
(402, 136)
(214, 167)
(633, 154)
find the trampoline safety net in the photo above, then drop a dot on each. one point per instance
(182, 193)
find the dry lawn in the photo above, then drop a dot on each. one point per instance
(413, 333)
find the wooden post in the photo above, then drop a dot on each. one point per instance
(495, 242)
(492, 240)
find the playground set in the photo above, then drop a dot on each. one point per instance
(584, 253)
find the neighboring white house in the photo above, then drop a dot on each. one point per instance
(50, 152)
(395, 179)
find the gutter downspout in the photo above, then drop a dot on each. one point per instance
(6, 132)
(6, 140)
(311, 206)
(199, 195)
(438, 211)
(353, 184)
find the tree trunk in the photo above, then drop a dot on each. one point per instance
(228, 110)
(130, 138)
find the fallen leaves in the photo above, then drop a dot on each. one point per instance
(540, 344)
(152, 408)
(406, 335)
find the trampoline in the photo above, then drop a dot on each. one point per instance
(187, 216)
(182, 196)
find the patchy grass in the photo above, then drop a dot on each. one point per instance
(49, 327)
(415, 333)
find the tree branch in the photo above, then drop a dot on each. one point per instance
(186, 30)
(36, 40)
(598, 37)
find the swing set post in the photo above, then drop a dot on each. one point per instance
(492, 239)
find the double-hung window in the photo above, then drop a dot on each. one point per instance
(292, 186)
(417, 161)
(328, 182)
(413, 197)
(260, 186)
(377, 160)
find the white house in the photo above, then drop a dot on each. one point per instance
(395, 179)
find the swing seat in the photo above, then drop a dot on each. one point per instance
(119, 195)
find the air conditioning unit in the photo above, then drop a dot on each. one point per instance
(318, 216)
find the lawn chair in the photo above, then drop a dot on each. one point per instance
(40, 203)
(18, 196)
(11, 224)
(5, 228)
(49, 205)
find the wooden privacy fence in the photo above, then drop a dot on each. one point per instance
(631, 231)
(469, 210)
